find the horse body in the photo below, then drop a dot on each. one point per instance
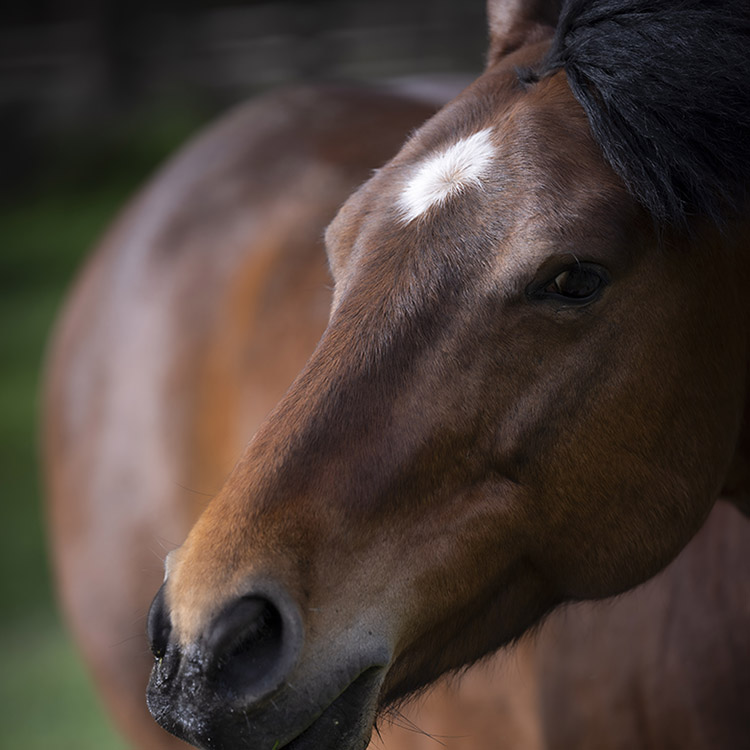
(184, 330)
(663, 666)
(526, 394)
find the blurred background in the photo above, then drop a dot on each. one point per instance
(93, 96)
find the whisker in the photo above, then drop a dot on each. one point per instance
(157, 555)
(139, 619)
(165, 543)
(397, 719)
(194, 492)
(128, 639)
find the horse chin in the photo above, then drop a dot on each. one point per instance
(341, 721)
(347, 722)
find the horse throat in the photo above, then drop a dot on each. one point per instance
(737, 484)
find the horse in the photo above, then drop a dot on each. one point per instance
(529, 393)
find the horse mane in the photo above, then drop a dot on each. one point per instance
(665, 85)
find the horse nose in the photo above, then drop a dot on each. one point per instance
(252, 645)
(247, 650)
(158, 625)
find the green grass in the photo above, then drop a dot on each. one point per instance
(46, 700)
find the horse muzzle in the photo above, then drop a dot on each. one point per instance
(251, 680)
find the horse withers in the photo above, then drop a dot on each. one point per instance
(531, 388)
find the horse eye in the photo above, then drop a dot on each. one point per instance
(580, 283)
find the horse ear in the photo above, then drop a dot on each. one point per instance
(514, 23)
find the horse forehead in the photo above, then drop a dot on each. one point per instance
(446, 173)
(525, 167)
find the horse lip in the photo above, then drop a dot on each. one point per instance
(346, 722)
(341, 721)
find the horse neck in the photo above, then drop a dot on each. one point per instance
(737, 485)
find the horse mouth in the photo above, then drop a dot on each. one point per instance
(346, 724)
(287, 722)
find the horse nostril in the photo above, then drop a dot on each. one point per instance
(158, 625)
(251, 646)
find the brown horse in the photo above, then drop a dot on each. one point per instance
(531, 389)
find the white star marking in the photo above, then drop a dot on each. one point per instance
(447, 174)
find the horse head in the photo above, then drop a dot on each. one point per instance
(531, 390)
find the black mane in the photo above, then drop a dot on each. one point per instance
(666, 88)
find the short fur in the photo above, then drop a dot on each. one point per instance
(666, 87)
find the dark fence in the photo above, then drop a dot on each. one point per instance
(64, 63)
(83, 66)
